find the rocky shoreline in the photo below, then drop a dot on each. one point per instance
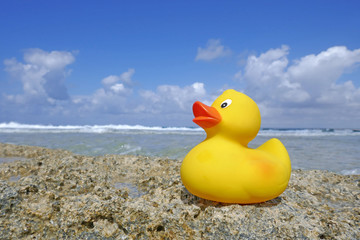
(55, 194)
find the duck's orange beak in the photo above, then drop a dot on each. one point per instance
(205, 116)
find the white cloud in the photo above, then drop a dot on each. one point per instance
(42, 74)
(113, 98)
(339, 94)
(267, 78)
(119, 84)
(303, 92)
(323, 69)
(213, 50)
(307, 83)
(173, 98)
(124, 77)
(50, 60)
(118, 88)
(45, 95)
(110, 80)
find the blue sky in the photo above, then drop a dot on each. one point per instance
(146, 62)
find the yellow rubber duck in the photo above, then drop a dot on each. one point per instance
(222, 168)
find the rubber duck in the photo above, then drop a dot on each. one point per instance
(223, 168)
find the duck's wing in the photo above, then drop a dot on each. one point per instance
(277, 149)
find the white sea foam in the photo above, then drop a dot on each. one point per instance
(355, 171)
(308, 132)
(21, 128)
(14, 127)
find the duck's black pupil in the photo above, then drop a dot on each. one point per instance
(223, 105)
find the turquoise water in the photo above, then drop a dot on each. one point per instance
(326, 149)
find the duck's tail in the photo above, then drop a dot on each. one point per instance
(276, 148)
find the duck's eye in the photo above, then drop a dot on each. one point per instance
(226, 103)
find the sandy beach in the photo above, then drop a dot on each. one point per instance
(55, 194)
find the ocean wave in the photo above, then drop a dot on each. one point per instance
(305, 132)
(14, 127)
(355, 171)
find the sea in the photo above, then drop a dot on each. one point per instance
(336, 150)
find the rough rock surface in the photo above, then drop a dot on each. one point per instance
(54, 194)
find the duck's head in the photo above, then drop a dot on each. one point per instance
(233, 114)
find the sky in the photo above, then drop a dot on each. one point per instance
(147, 62)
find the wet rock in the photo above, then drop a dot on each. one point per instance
(9, 198)
(69, 196)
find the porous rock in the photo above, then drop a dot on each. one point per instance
(54, 194)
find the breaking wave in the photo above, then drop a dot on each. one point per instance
(14, 127)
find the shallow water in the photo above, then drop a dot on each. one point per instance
(326, 149)
(334, 153)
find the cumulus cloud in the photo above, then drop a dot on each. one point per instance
(310, 82)
(323, 69)
(50, 60)
(124, 77)
(288, 92)
(213, 50)
(267, 78)
(119, 84)
(112, 98)
(172, 98)
(42, 74)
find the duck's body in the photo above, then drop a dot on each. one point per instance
(222, 168)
